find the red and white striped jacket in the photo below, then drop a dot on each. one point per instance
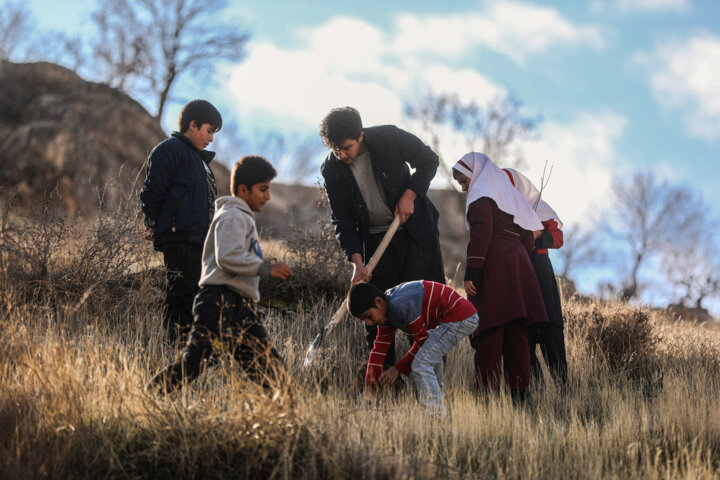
(414, 307)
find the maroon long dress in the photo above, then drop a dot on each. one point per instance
(508, 295)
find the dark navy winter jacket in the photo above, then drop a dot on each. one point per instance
(391, 150)
(175, 197)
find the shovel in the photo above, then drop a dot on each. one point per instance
(315, 345)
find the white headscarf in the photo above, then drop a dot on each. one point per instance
(531, 195)
(488, 180)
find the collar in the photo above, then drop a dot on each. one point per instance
(206, 155)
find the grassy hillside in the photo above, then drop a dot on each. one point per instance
(80, 337)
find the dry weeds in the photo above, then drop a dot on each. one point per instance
(640, 402)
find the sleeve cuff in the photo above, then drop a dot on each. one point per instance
(264, 270)
(473, 274)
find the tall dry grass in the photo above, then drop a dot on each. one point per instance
(641, 401)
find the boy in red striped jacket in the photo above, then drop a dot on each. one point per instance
(434, 314)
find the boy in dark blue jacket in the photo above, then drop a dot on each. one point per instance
(178, 200)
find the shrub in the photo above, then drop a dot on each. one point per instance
(620, 336)
(319, 265)
(53, 259)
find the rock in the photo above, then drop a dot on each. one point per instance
(81, 139)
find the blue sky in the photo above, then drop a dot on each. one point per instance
(619, 85)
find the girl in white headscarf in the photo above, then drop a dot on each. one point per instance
(550, 336)
(499, 277)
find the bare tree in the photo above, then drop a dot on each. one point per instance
(146, 45)
(496, 129)
(15, 29)
(579, 249)
(694, 271)
(649, 217)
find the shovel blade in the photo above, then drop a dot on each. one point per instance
(313, 348)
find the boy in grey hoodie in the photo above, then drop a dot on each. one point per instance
(232, 264)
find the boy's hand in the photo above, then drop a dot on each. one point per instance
(388, 377)
(368, 395)
(148, 233)
(280, 270)
(470, 288)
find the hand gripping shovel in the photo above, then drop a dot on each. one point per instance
(315, 345)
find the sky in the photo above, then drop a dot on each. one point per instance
(615, 85)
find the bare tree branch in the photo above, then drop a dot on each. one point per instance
(496, 128)
(146, 45)
(649, 217)
(15, 29)
(579, 249)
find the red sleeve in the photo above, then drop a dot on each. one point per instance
(552, 236)
(419, 333)
(480, 218)
(377, 354)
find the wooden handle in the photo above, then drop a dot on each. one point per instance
(383, 244)
(370, 265)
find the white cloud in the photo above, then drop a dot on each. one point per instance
(330, 67)
(347, 61)
(513, 29)
(650, 6)
(684, 78)
(583, 159)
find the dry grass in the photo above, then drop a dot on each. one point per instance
(640, 403)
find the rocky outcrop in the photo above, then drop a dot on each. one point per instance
(59, 132)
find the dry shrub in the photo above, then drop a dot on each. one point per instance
(688, 346)
(50, 258)
(620, 336)
(318, 263)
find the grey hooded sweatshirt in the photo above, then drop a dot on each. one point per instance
(232, 256)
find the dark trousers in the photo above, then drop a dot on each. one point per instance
(400, 263)
(509, 344)
(226, 320)
(183, 263)
(550, 336)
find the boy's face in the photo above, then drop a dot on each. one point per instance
(255, 196)
(200, 135)
(349, 149)
(376, 315)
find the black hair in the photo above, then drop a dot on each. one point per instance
(201, 111)
(340, 124)
(250, 170)
(362, 297)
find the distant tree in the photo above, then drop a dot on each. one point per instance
(496, 129)
(694, 271)
(649, 217)
(146, 45)
(579, 249)
(15, 30)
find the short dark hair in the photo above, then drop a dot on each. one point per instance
(201, 111)
(362, 297)
(339, 125)
(250, 170)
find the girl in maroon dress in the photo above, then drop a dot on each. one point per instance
(499, 277)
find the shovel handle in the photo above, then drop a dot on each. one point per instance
(370, 265)
(383, 244)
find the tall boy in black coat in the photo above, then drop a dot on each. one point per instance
(178, 200)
